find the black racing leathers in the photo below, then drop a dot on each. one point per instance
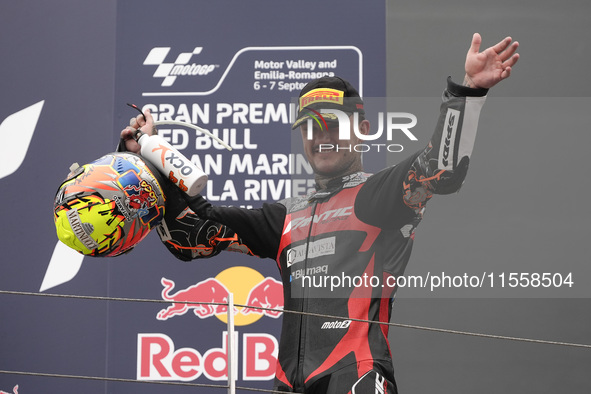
(326, 243)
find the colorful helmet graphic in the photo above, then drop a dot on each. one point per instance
(107, 207)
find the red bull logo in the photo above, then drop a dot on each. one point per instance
(158, 359)
(267, 294)
(208, 291)
(248, 286)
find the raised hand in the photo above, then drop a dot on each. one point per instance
(146, 125)
(487, 68)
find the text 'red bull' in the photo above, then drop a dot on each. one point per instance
(157, 359)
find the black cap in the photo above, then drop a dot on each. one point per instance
(328, 93)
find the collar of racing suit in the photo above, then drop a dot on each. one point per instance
(337, 184)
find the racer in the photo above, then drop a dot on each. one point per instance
(353, 224)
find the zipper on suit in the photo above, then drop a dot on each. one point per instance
(300, 373)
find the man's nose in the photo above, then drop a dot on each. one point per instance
(322, 136)
(330, 134)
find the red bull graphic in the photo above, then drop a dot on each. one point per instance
(248, 286)
(209, 290)
(266, 294)
(158, 358)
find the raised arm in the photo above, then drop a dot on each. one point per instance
(442, 167)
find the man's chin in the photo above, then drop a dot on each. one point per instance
(321, 166)
(332, 165)
(327, 170)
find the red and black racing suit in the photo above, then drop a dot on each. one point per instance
(360, 226)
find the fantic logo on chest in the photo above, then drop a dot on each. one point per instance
(325, 217)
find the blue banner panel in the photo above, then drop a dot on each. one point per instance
(230, 67)
(56, 108)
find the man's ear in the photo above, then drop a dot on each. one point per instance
(364, 127)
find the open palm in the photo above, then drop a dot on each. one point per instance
(487, 68)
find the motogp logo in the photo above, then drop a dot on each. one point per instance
(181, 66)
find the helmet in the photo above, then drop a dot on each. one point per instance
(107, 207)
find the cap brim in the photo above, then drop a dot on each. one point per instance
(326, 117)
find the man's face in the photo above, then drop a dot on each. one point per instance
(329, 156)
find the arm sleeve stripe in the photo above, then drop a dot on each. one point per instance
(470, 125)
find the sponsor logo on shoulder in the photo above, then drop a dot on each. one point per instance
(355, 179)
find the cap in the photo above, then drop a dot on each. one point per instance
(328, 93)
